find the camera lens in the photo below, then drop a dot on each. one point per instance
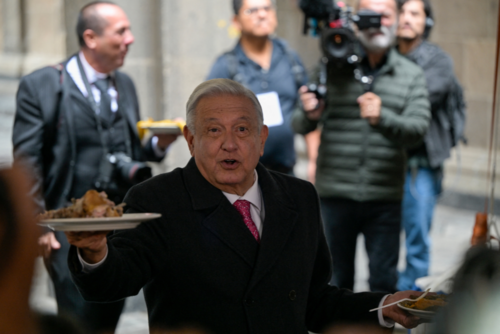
(338, 43)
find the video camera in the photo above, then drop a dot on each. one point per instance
(334, 24)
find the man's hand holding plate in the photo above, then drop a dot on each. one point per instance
(92, 245)
(399, 315)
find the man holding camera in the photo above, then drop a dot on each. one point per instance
(425, 162)
(75, 125)
(366, 128)
(269, 68)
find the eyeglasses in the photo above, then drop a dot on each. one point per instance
(255, 10)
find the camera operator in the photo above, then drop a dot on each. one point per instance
(75, 125)
(425, 162)
(361, 159)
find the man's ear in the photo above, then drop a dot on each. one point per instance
(89, 36)
(236, 22)
(188, 135)
(263, 137)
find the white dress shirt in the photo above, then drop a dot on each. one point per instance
(257, 211)
(92, 77)
(254, 196)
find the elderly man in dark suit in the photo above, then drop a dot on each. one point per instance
(64, 133)
(238, 249)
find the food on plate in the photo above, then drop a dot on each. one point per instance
(92, 205)
(428, 303)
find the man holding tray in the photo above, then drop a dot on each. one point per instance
(76, 141)
(238, 249)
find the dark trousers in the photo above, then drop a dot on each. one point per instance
(380, 224)
(95, 317)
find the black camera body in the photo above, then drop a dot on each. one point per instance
(118, 172)
(334, 24)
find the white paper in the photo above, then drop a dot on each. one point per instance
(271, 108)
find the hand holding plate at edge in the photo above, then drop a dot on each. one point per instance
(397, 314)
(93, 245)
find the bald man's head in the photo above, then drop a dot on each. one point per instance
(90, 18)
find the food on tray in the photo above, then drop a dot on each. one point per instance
(143, 126)
(428, 303)
(92, 204)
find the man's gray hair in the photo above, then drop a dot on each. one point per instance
(217, 87)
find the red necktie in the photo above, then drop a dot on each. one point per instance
(243, 208)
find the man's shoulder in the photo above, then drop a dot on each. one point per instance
(124, 78)
(46, 75)
(405, 67)
(157, 182)
(402, 62)
(436, 53)
(293, 185)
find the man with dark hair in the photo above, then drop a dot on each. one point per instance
(70, 119)
(425, 162)
(268, 67)
(366, 129)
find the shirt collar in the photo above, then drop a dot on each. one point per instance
(92, 74)
(252, 195)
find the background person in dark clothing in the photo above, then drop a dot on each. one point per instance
(65, 123)
(361, 158)
(425, 162)
(269, 68)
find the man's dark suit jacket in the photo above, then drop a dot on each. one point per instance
(199, 264)
(44, 134)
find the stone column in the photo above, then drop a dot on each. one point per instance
(193, 34)
(11, 38)
(290, 23)
(45, 38)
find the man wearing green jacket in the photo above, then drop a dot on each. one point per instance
(361, 159)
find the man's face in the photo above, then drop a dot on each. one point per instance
(256, 18)
(412, 20)
(227, 143)
(112, 45)
(379, 40)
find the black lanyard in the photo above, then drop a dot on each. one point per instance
(95, 107)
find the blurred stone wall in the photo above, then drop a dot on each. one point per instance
(178, 40)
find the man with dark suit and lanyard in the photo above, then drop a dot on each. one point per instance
(238, 249)
(70, 118)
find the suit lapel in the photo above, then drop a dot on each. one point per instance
(280, 219)
(125, 107)
(222, 219)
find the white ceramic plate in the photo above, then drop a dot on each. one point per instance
(127, 221)
(428, 315)
(165, 129)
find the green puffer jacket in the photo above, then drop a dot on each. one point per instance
(363, 162)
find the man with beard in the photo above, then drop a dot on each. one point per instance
(425, 162)
(362, 155)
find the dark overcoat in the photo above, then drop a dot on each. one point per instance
(199, 264)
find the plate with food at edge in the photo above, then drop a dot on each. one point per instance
(425, 308)
(93, 212)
